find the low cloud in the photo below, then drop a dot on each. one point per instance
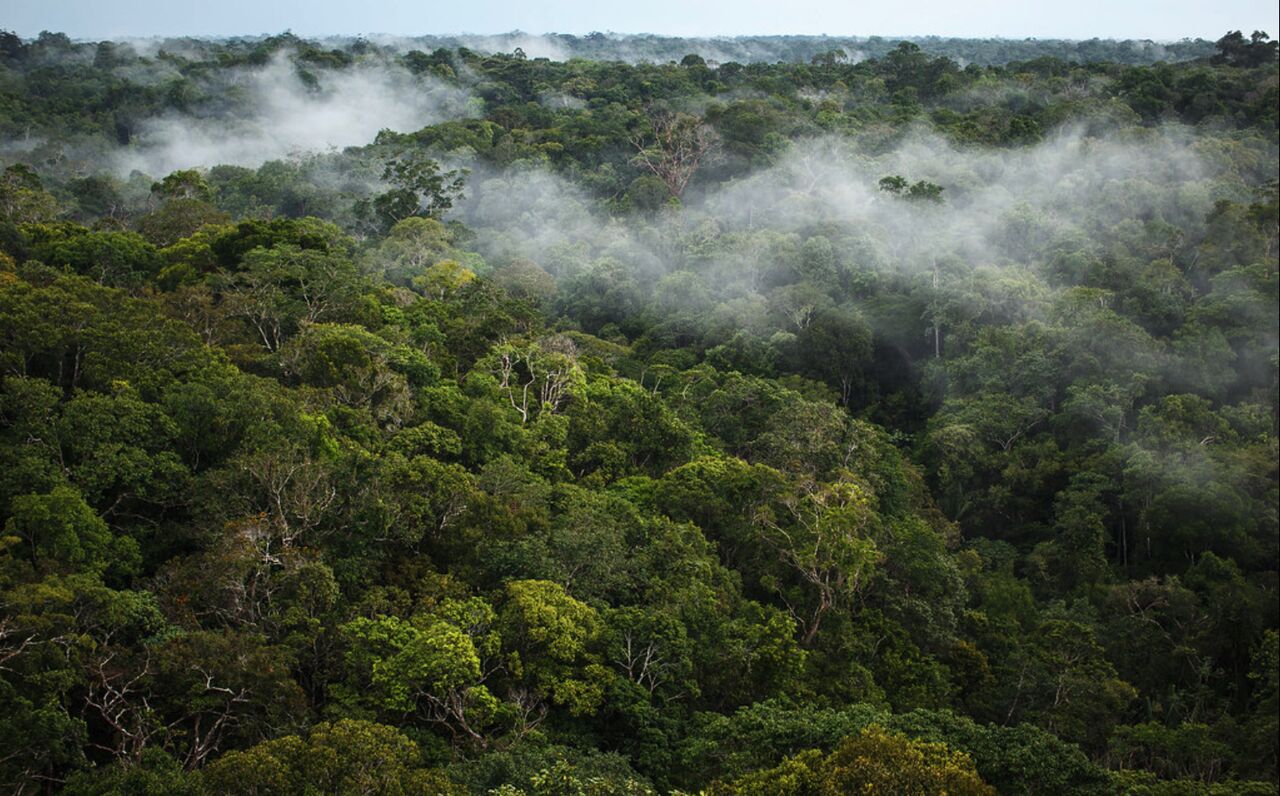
(274, 113)
(1001, 207)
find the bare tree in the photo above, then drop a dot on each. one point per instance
(677, 147)
(643, 662)
(116, 694)
(552, 370)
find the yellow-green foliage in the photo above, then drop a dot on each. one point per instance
(875, 761)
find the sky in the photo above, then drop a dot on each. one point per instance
(1166, 20)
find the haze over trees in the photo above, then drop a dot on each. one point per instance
(378, 417)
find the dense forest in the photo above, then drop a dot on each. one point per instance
(862, 417)
(747, 49)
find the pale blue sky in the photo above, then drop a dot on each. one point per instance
(1077, 19)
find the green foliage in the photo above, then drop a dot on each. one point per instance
(117, 259)
(871, 761)
(919, 191)
(419, 189)
(681, 455)
(550, 636)
(343, 757)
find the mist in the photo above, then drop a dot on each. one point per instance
(1000, 207)
(650, 48)
(277, 111)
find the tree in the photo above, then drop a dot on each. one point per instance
(428, 667)
(116, 450)
(919, 191)
(1076, 556)
(155, 773)
(411, 246)
(98, 197)
(418, 502)
(115, 259)
(723, 496)
(551, 637)
(176, 219)
(873, 761)
(1235, 50)
(216, 689)
(825, 538)
(525, 279)
(538, 378)
(679, 144)
(419, 189)
(1264, 676)
(185, 184)
(23, 199)
(1066, 684)
(343, 757)
(59, 530)
(358, 369)
(836, 347)
(278, 289)
(442, 279)
(648, 192)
